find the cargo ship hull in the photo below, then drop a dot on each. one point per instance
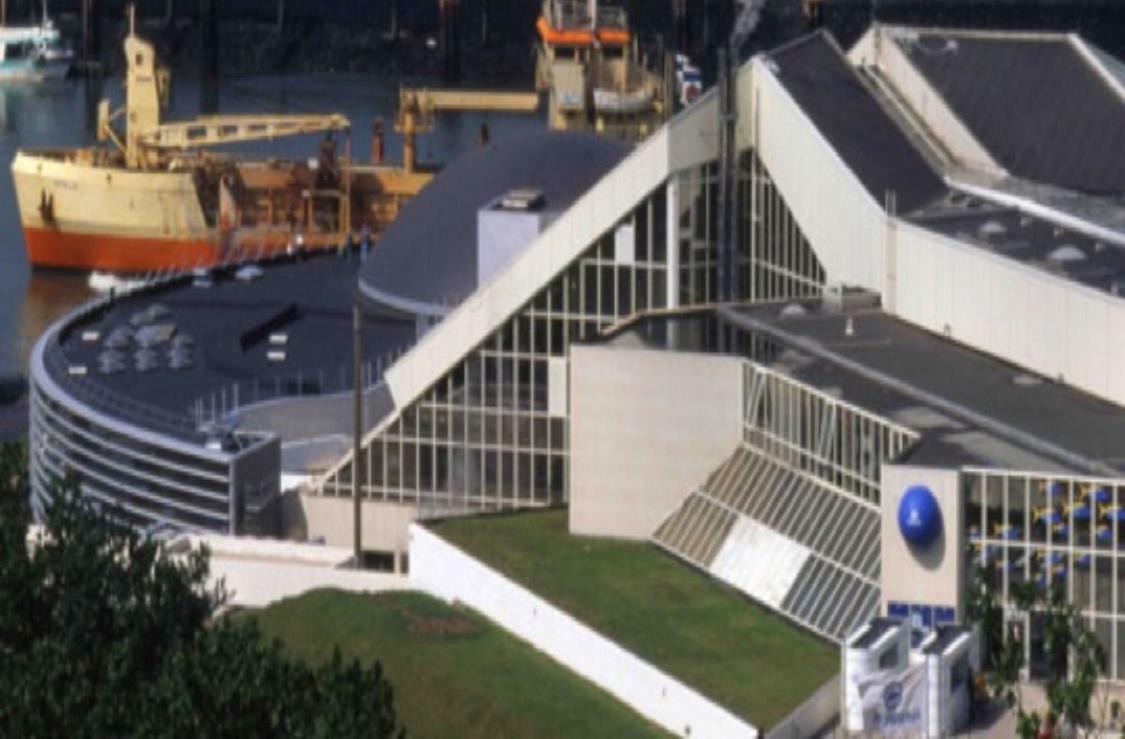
(58, 248)
(81, 216)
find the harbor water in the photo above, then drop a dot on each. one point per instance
(63, 114)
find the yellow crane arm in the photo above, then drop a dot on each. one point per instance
(438, 100)
(417, 107)
(223, 129)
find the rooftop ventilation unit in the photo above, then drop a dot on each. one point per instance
(155, 334)
(91, 336)
(119, 338)
(1067, 254)
(279, 339)
(523, 198)
(992, 229)
(275, 355)
(248, 273)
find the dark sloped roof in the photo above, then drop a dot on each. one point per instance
(429, 253)
(821, 81)
(1039, 107)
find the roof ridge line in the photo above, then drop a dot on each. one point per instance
(1084, 50)
(981, 33)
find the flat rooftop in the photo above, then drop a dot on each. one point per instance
(284, 329)
(971, 409)
(1044, 105)
(1015, 234)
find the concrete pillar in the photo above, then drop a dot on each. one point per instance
(672, 231)
(357, 440)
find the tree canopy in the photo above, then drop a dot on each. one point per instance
(105, 633)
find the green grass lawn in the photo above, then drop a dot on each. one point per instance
(455, 674)
(730, 649)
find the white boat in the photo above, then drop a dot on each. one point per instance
(34, 52)
(621, 102)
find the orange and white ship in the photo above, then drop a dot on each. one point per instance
(590, 65)
(155, 196)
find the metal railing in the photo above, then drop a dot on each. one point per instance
(226, 401)
(100, 397)
(87, 388)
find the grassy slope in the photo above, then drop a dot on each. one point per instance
(728, 648)
(455, 674)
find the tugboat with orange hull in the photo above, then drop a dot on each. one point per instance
(155, 196)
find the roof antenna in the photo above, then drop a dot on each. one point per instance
(132, 19)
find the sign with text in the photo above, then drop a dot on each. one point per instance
(894, 701)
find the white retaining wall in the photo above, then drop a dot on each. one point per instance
(443, 570)
(257, 572)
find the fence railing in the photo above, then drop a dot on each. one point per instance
(226, 401)
(219, 404)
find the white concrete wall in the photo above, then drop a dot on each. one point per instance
(1047, 324)
(384, 524)
(446, 572)
(926, 102)
(258, 572)
(845, 224)
(818, 711)
(646, 428)
(936, 575)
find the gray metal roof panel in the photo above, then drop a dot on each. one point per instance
(429, 253)
(1038, 105)
(821, 81)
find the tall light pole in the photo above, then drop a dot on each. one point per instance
(727, 243)
(357, 440)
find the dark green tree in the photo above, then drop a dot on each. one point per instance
(1073, 655)
(106, 633)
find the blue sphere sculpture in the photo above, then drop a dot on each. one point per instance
(919, 518)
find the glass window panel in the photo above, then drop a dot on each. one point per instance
(409, 466)
(608, 305)
(590, 289)
(507, 474)
(1103, 584)
(640, 226)
(425, 468)
(659, 224)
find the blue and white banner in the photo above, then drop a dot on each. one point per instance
(894, 701)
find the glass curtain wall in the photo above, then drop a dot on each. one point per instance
(1059, 531)
(484, 436)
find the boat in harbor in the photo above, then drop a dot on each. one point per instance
(33, 52)
(590, 65)
(155, 196)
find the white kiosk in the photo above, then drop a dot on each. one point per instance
(893, 690)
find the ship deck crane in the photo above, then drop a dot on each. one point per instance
(417, 108)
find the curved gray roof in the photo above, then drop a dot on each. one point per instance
(429, 254)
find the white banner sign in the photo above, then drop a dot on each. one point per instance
(894, 701)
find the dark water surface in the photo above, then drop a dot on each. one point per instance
(62, 114)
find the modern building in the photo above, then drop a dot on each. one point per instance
(906, 285)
